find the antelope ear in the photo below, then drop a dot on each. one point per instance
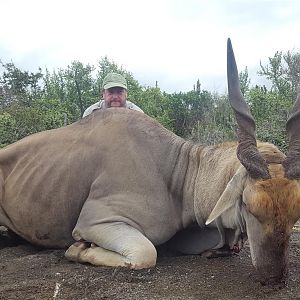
(230, 196)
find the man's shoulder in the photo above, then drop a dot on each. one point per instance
(133, 106)
(91, 108)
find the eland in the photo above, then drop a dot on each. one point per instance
(114, 185)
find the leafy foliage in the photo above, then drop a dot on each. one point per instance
(32, 102)
(8, 130)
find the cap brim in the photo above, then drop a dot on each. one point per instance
(111, 85)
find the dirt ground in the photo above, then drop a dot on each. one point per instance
(27, 272)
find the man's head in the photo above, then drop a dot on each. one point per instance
(114, 90)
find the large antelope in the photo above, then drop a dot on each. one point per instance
(115, 184)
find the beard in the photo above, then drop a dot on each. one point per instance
(116, 103)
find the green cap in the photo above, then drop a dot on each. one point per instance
(113, 80)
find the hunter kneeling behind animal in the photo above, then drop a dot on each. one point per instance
(114, 94)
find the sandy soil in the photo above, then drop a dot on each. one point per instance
(27, 272)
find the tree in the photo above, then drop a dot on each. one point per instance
(19, 85)
(244, 81)
(282, 75)
(55, 85)
(79, 85)
(217, 125)
(8, 132)
(188, 108)
(270, 111)
(272, 107)
(292, 61)
(157, 105)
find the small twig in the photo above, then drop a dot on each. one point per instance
(56, 290)
(115, 272)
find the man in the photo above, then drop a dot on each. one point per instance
(114, 95)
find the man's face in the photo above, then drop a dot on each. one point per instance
(115, 97)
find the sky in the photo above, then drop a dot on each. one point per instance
(172, 42)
